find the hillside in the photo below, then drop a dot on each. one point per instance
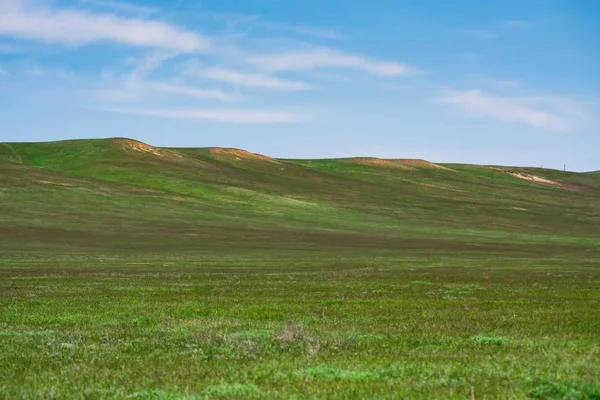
(123, 195)
(135, 272)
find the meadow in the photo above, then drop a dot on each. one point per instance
(134, 272)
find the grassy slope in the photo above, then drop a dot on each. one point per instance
(97, 194)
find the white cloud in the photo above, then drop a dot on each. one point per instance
(39, 71)
(136, 86)
(136, 90)
(78, 28)
(544, 112)
(148, 64)
(248, 79)
(327, 58)
(216, 114)
(119, 6)
(4, 72)
(186, 90)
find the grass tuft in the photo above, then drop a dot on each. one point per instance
(231, 390)
(548, 390)
(490, 340)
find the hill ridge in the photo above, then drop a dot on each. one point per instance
(131, 194)
(242, 153)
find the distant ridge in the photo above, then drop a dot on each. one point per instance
(123, 194)
(7, 152)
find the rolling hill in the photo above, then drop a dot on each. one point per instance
(129, 271)
(118, 194)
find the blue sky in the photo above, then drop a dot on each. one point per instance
(507, 82)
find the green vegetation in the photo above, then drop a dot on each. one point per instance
(129, 271)
(483, 339)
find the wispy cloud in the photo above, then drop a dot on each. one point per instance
(76, 28)
(186, 90)
(119, 6)
(216, 114)
(40, 71)
(144, 91)
(136, 85)
(149, 63)
(545, 112)
(321, 58)
(4, 72)
(241, 24)
(249, 79)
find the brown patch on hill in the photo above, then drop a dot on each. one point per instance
(179, 198)
(44, 182)
(422, 164)
(405, 164)
(238, 154)
(378, 162)
(129, 144)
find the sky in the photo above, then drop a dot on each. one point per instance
(504, 82)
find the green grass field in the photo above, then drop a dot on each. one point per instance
(134, 272)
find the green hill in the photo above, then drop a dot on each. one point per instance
(122, 195)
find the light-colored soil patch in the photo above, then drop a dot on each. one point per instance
(180, 198)
(53, 183)
(134, 145)
(421, 164)
(406, 164)
(378, 162)
(543, 181)
(239, 154)
(534, 178)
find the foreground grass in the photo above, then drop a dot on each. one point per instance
(236, 327)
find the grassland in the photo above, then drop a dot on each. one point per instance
(129, 271)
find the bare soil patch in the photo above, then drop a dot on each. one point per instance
(405, 164)
(239, 154)
(134, 145)
(378, 162)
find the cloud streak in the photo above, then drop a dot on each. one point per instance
(191, 91)
(119, 6)
(79, 28)
(325, 58)
(540, 112)
(216, 114)
(249, 79)
(136, 86)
